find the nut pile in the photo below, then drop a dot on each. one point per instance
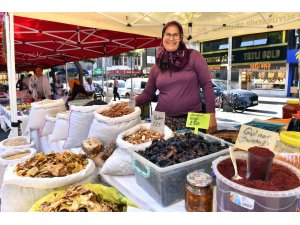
(117, 110)
(78, 198)
(16, 156)
(16, 142)
(51, 165)
(180, 148)
(143, 136)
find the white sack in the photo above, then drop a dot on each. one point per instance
(4, 148)
(80, 121)
(48, 126)
(39, 110)
(107, 129)
(20, 193)
(61, 127)
(4, 163)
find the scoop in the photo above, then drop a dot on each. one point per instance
(233, 159)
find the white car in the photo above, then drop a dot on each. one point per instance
(138, 85)
(108, 87)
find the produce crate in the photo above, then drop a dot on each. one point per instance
(166, 185)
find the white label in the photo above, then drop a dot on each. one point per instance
(242, 201)
(158, 122)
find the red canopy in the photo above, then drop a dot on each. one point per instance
(45, 43)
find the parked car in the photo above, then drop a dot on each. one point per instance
(138, 84)
(249, 97)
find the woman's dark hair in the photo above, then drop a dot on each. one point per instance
(172, 23)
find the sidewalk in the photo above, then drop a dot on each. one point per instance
(274, 100)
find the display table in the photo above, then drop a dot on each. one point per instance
(6, 119)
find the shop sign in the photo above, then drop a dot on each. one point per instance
(158, 122)
(248, 56)
(198, 121)
(261, 66)
(252, 136)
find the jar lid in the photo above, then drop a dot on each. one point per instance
(199, 179)
(293, 102)
(290, 138)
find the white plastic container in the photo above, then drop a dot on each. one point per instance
(166, 185)
(237, 198)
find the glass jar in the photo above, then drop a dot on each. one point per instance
(198, 192)
(288, 148)
(291, 107)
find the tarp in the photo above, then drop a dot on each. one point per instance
(201, 26)
(45, 43)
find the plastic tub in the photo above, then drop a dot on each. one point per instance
(166, 185)
(237, 198)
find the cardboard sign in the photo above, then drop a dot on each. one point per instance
(252, 136)
(108, 98)
(131, 104)
(158, 122)
(198, 120)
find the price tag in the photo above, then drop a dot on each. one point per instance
(158, 122)
(131, 104)
(108, 98)
(198, 120)
(252, 136)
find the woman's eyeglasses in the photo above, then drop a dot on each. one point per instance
(175, 36)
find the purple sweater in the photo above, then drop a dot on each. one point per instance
(179, 92)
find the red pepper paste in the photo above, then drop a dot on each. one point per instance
(260, 151)
(280, 177)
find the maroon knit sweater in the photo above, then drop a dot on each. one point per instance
(179, 92)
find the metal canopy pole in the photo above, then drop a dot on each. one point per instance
(229, 64)
(67, 77)
(9, 32)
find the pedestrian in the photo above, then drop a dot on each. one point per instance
(115, 92)
(57, 87)
(39, 85)
(178, 74)
(20, 83)
(25, 82)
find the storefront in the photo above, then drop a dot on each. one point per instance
(293, 74)
(257, 69)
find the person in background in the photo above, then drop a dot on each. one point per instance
(57, 88)
(20, 83)
(178, 74)
(89, 87)
(39, 85)
(26, 82)
(115, 91)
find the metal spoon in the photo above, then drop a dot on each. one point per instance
(233, 159)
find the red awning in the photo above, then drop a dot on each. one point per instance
(45, 43)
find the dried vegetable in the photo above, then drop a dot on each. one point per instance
(79, 199)
(51, 165)
(143, 136)
(117, 110)
(16, 142)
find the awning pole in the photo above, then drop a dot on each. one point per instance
(10, 44)
(106, 75)
(67, 77)
(229, 64)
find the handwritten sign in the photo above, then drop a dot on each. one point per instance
(108, 98)
(131, 104)
(198, 120)
(158, 122)
(252, 136)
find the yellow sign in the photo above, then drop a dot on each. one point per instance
(198, 120)
(252, 136)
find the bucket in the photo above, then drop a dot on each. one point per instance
(234, 197)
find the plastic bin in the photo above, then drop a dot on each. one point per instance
(166, 185)
(250, 199)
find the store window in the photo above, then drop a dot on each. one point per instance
(254, 40)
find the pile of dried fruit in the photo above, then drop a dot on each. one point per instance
(143, 136)
(16, 142)
(117, 110)
(51, 165)
(79, 199)
(180, 148)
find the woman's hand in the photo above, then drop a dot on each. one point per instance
(212, 124)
